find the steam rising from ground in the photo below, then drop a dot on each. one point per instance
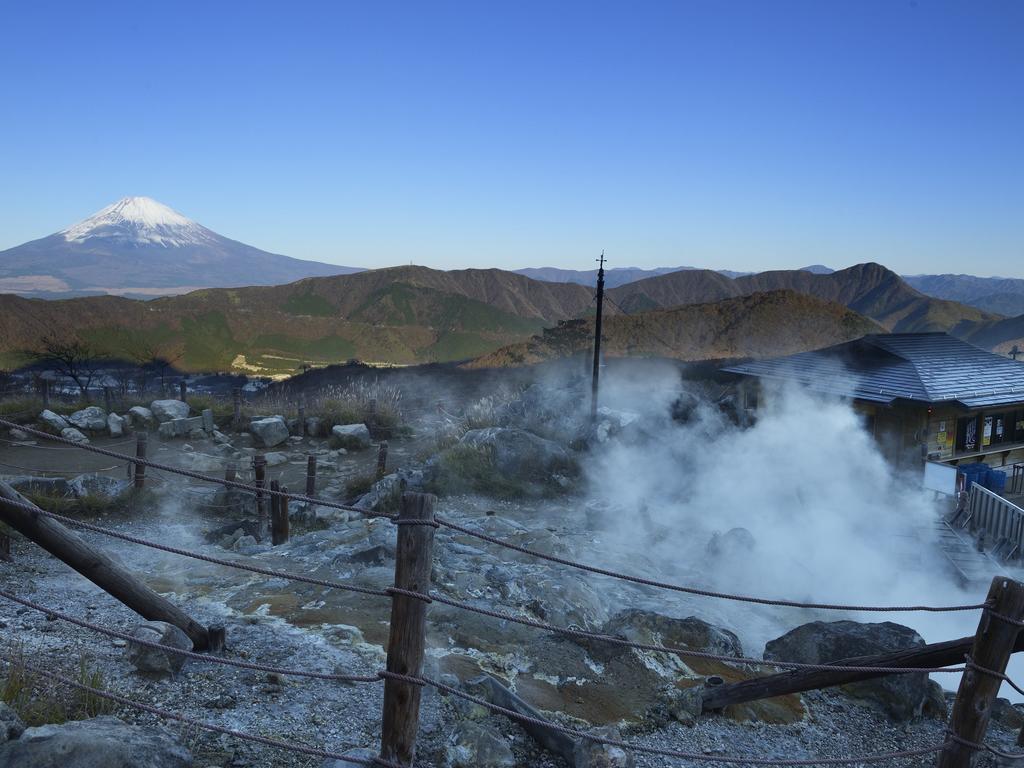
(829, 519)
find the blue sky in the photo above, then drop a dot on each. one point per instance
(744, 135)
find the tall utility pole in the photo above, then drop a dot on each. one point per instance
(597, 336)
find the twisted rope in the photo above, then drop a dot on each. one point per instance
(493, 540)
(167, 715)
(184, 653)
(194, 555)
(701, 592)
(633, 747)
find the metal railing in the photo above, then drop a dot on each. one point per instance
(998, 521)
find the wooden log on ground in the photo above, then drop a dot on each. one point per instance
(932, 655)
(407, 639)
(553, 741)
(993, 644)
(109, 576)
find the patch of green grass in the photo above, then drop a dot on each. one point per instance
(223, 409)
(91, 505)
(358, 485)
(38, 700)
(308, 304)
(471, 469)
(209, 342)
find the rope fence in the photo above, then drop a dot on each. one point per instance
(508, 545)
(405, 659)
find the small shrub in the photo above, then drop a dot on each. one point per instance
(223, 409)
(467, 468)
(38, 700)
(358, 485)
(91, 505)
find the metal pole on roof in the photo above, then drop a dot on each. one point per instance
(597, 337)
(1014, 352)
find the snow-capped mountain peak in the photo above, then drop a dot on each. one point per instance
(139, 220)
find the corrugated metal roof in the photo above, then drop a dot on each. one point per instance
(926, 367)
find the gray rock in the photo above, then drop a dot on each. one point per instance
(471, 745)
(18, 434)
(202, 462)
(54, 421)
(91, 419)
(686, 704)
(116, 424)
(244, 542)
(360, 752)
(651, 628)
(517, 452)
(594, 754)
(156, 662)
(169, 410)
(141, 417)
(351, 435)
(70, 433)
(207, 416)
(220, 438)
(11, 726)
(169, 430)
(900, 696)
(276, 458)
(269, 431)
(97, 486)
(103, 742)
(314, 426)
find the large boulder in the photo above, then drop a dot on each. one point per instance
(351, 436)
(74, 435)
(103, 742)
(649, 628)
(168, 430)
(269, 431)
(476, 746)
(91, 419)
(116, 424)
(97, 487)
(151, 660)
(820, 642)
(517, 452)
(595, 754)
(168, 410)
(11, 726)
(141, 416)
(54, 421)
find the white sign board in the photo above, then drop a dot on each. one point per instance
(940, 478)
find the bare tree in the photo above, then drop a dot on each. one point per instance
(151, 358)
(71, 356)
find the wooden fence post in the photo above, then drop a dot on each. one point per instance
(183, 391)
(230, 472)
(279, 520)
(108, 399)
(141, 440)
(259, 467)
(413, 560)
(46, 393)
(993, 645)
(302, 420)
(382, 459)
(275, 504)
(236, 419)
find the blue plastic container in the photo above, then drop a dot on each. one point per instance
(996, 481)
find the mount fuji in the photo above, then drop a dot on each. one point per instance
(139, 247)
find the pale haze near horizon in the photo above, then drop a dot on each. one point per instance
(739, 135)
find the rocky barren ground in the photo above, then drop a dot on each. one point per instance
(642, 696)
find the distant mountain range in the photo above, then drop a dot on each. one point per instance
(406, 315)
(613, 277)
(140, 247)
(758, 325)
